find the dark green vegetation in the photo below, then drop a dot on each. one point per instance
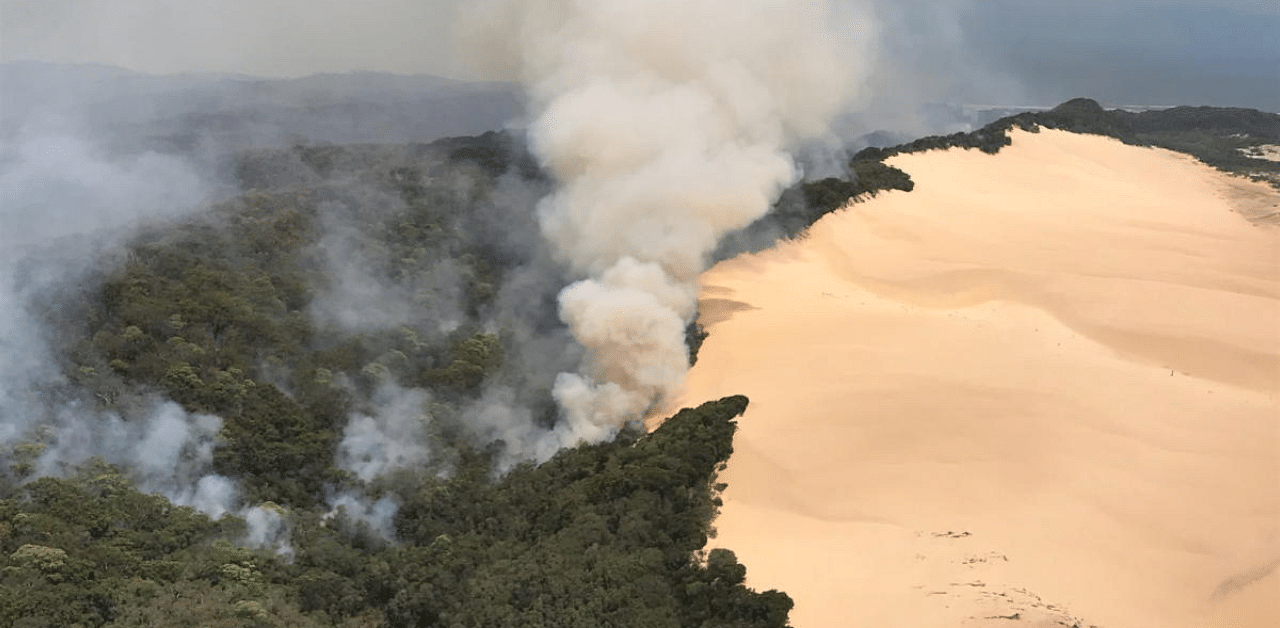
(694, 335)
(803, 204)
(601, 535)
(1218, 136)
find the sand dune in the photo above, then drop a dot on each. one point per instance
(1042, 389)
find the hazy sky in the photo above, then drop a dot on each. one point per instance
(1220, 52)
(1201, 51)
(262, 37)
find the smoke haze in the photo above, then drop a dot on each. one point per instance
(62, 203)
(65, 207)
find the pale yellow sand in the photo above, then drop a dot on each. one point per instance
(1041, 389)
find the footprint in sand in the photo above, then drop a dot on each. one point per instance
(965, 577)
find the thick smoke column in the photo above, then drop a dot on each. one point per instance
(666, 124)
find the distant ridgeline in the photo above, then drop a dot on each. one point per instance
(1221, 137)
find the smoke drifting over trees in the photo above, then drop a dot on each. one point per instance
(67, 208)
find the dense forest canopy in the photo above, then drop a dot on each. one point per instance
(609, 534)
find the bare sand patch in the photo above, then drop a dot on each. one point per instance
(1269, 152)
(1042, 389)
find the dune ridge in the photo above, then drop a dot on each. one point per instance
(1040, 390)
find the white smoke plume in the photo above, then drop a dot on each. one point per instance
(379, 515)
(267, 527)
(666, 125)
(394, 437)
(165, 450)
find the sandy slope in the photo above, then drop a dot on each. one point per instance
(1041, 389)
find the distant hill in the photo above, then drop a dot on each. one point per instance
(131, 111)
